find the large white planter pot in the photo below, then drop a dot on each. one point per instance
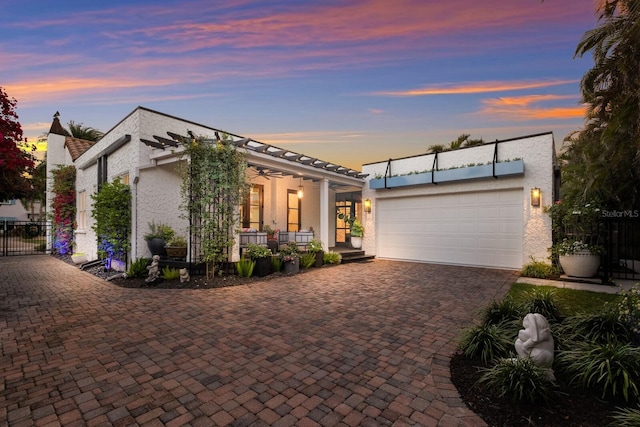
(356, 242)
(583, 264)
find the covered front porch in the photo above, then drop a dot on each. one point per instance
(292, 196)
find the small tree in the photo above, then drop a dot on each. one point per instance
(16, 160)
(214, 183)
(112, 220)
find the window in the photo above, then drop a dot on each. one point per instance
(252, 210)
(124, 179)
(102, 170)
(81, 216)
(294, 208)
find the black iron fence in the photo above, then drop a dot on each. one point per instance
(24, 237)
(622, 247)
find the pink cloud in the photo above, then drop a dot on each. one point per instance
(478, 87)
(528, 108)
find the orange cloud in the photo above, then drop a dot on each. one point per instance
(525, 108)
(479, 87)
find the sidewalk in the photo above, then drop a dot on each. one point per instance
(580, 285)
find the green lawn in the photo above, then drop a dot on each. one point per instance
(570, 301)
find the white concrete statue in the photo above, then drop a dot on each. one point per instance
(154, 269)
(184, 275)
(535, 341)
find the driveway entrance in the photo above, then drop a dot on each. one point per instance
(356, 344)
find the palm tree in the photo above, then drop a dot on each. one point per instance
(84, 132)
(609, 144)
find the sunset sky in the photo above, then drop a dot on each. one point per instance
(349, 81)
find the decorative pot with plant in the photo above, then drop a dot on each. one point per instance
(578, 253)
(290, 255)
(315, 247)
(176, 247)
(272, 238)
(157, 237)
(262, 257)
(355, 227)
(357, 230)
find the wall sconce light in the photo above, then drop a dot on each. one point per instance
(367, 205)
(535, 197)
(300, 190)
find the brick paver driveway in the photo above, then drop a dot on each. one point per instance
(357, 344)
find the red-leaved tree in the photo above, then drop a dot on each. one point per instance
(16, 163)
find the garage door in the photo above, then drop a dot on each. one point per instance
(480, 229)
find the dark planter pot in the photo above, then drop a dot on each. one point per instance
(156, 246)
(292, 267)
(263, 267)
(273, 245)
(176, 251)
(319, 259)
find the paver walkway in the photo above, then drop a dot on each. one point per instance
(353, 345)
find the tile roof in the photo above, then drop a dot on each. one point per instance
(77, 146)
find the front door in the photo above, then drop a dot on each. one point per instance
(347, 205)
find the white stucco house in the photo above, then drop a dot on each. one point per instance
(142, 153)
(483, 221)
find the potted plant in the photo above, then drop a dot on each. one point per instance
(176, 247)
(157, 237)
(577, 258)
(576, 231)
(357, 230)
(355, 227)
(272, 238)
(315, 247)
(290, 255)
(262, 257)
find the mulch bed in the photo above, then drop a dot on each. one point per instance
(196, 282)
(575, 408)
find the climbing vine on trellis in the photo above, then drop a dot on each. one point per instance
(214, 183)
(64, 208)
(112, 220)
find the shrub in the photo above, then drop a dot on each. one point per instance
(627, 417)
(543, 301)
(170, 273)
(611, 369)
(538, 269)
(314, 246)
(138, 268)
(245, 267)
(486, 342)
(332, 258)
(603, 327)
(255, 251)
(520, 381)
(629, 311)
(308, 260)
(276, 264)
(505, 310)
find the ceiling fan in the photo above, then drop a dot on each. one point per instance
(262, 172)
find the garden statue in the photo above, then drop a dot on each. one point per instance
(184, 275)
(535, 341)
(154, 270)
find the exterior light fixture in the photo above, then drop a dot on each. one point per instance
(367, 205)
(300, 190)
(535, 197)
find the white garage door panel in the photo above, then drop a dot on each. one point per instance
(483, 228)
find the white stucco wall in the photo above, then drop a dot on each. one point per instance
(538, 155)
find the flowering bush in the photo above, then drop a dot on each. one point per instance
(577, 225)
(629, 310)
(64, 208)
(290, 252)
(572, 247)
